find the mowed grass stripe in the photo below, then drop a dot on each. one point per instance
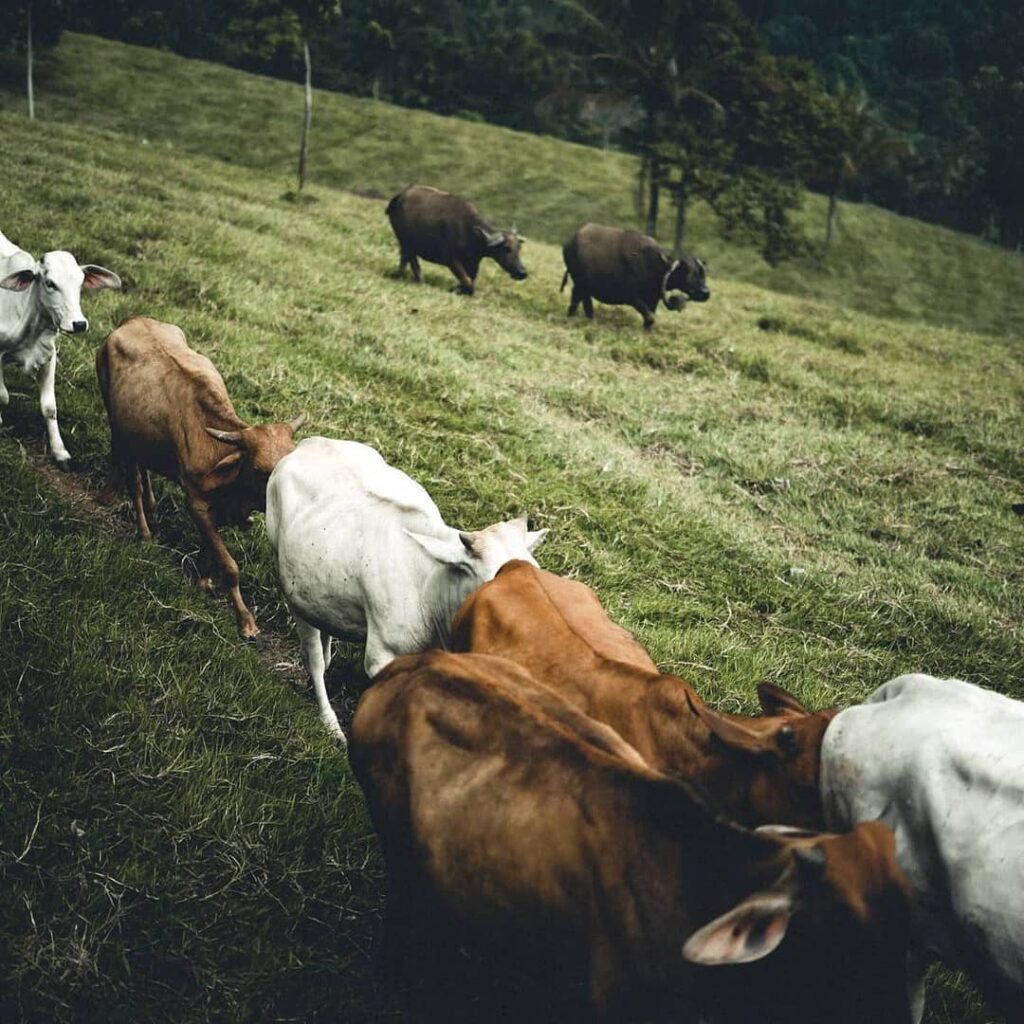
(653, 457)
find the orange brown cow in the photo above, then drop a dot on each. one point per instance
(169, 412)
(510, 820)
(761, 769)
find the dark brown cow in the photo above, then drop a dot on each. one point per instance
(442, 228)
(626, 268)
(762, 770)
(510, 819)
(170, 412)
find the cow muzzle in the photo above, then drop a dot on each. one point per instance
(519, 274)
(79, 326)
(701, 296)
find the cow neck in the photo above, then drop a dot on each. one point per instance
(32, 319)
(686, 745)
(439, 600)
(686, 833)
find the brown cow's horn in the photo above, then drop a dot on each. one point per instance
(227, 436)
(664, 281)
(297, 423)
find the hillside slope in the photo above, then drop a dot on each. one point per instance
(882, 263)
(763, 488)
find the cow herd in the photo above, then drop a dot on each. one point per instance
(538, 786)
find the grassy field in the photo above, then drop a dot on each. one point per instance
(766, 487)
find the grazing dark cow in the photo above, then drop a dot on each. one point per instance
(442, 228)
(626, 268)
(170, 412)
(761, 770)
(510, 819)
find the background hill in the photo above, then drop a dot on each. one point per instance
(770, 486)
(881, 263)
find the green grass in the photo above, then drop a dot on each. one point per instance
(881, 264)
(765, 487)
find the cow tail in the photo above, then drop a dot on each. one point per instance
(565, 277)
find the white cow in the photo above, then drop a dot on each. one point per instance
(37, 301)
(942, 763)
(363, 554)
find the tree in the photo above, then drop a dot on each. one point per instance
(850, 139)
(36, 25)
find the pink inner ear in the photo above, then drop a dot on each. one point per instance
(19, 281)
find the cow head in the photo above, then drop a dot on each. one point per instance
(482, 553)
(828, 941)
(777, 756)
(503, 247)
(60, 282)
(247, 468)
(686, 274)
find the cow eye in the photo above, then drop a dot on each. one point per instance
(50, 285)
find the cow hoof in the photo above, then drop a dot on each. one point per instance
(64, 465)
(206, 583)
(249, 631)
(336, 733)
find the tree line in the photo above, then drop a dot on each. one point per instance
(916, 105)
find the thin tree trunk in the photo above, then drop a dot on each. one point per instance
(307, 123)
(31, 90)
(833, 211)
(653, 196)
(682, 201)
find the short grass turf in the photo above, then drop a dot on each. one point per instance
(764, 488)
(881, 263)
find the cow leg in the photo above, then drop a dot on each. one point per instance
(588, 307)
(414, 264)
(228, 566)
(311, 649)
(466, 286)
(378, 654)
(148, 497)
(134, 479)
(641, 308)
(574, 301)
(5, 398)
(205, 564)
(48, 406)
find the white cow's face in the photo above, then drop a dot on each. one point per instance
(59, 281)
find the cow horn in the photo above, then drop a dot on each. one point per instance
(227, 436)
(297, 423)
(664, 281)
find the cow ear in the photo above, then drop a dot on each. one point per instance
(448, 551)
(777, 701)
(534, 537)
(734, 734)
(98, 277)
(19, 280)
(224, 472)
(748, 932)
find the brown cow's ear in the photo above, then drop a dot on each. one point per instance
(777, 701)
(748, 932)
(734, 734)
(224, 472)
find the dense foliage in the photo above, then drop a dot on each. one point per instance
(917, 105)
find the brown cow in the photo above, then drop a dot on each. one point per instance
(761, 770)
(448, 230)
(510, 819)
(170, 412)
(626, 268)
